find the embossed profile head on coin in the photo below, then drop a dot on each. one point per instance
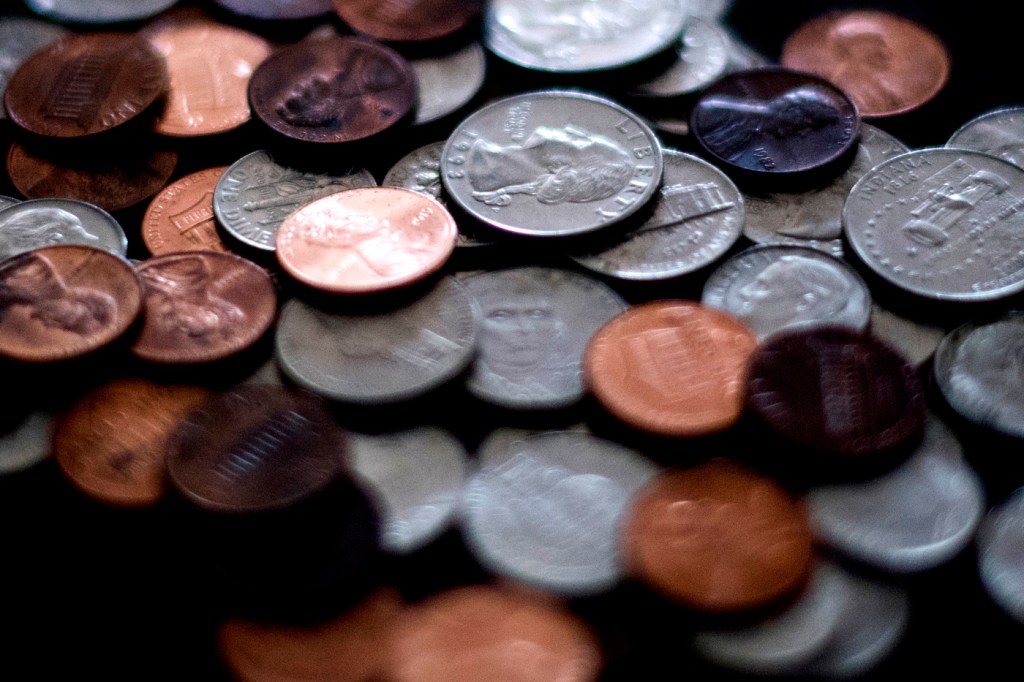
(182, 294)
(27, 230)
(863, 64)
(34, 282)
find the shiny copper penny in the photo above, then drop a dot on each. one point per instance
(210, 65)
(202, 306)
(408, 20)
(62, 302)
(111, 444)
(487, 633)
(85, 84)
(181, 218)
(349, 648)
(673, 368)
(718, 538)
(366, 239)
(333, 90)
(886, 63)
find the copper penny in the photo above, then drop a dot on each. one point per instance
(487, 633)
(408, 20)
(181, 218)
(210, 65)
(886, 63)
(366, 239)
(718, 538)
(202, 306)
(349, 648)
(85, 84)
(62, 302)
(673, 368)
(111, 443)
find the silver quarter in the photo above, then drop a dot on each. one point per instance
(703, 56)
(551, 163)
(1001, 554)
(944, 224)
(697, 217)
(98, 11)
(19, 38)
(278, 9)
(448, 82)
(35, 223)
(999, 132)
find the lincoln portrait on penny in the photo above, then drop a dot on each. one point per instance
(31, 280)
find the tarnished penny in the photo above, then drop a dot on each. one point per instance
(408, 20)
(365, 240)
(487, 633)
(673, 368)
(62, 302)
(718, 538)
(84, 84)
(111, 443)
(888, 64)
(181, 218)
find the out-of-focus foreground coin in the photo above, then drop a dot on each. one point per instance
(410, 21)
(277, 9)
(98, 11)
(1001, 554)
(19, 38)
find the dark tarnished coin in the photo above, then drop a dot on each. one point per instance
(181, 218)
(255, 448)
(256, 193)
(202, 306)
(379, 358)
(98, 11)
(332, 90)
(1001, 555)
(535, 325)
(836, 391)
(277, 9)
(408, 20)
(944, 224)
(45, 222)
(62, 302)
(999, 132)
(551, 163)
(774, 121)
(697, 217)
(703, 57)
(19, 38)
(447, 82)
(84, 84)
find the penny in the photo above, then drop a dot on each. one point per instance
(34, 223)
(718, 538)
(1000, 539)
(111, 444)
(447, 82)
(366, 240)
(836, 391)
(202, 306)
(209, 65)
(996, 132)
(888, 64)
(672, 367)
(702, 57)
(408, 20)
(256, 193)
(181, 217)
(98, 11)
(551, 163)
(19, 38)
(332, 90)
(254, 448)
(65, 301)
(84, 84)
(277, 9)
(482, 632)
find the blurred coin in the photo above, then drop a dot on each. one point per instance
(410, 20)
(7, 201)
(1001, 555)
(447, 82)
(181, 217)
(44, 222)
(19, 38)
(98, 11)
(277, 9)
(26, 442)
(999, 132)
(703, 56)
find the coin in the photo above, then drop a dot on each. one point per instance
(447, 82)
(19, 38)
(996, 132)
(1000, 539)
(181, 217)
(277, 9)
(26, 442)
(34, 223)
(98, 11)
(702, 57)
(410, 20)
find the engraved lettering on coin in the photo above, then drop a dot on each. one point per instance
(182, 298)
(36, 284)
(26, 230)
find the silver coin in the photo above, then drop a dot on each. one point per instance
(911, 519)
(815, 218)
(447, 82)
(979, 368)
(98, 11)
(35, 223)
(255, 194)
(1001, 554)
(703, 56)
(915, 340)
(579, 36)
(551, 163)
(379, 358)
(713, 10)
(780, 288)
(19, 38)
(546, 510)
(535, 325)
(26, 443)
(999, 132)
(278, 9)
(697, 217)
(418, 475)
(944, 224)
(6, 201)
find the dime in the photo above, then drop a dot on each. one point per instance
(19, 38)
(408, 20)
(447, 82)
(998, 132)
(1000, 539)
(34, 223)
(703, 56)
(181, 217)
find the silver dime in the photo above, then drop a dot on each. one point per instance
(19, 38)
(546, 510)
(535, 325)
(815, 218)
(999, 132)
(979, 368)
(551, 163)
(779, 288)
(379, 358)
(1001, 554)
(35, 223)
(418, 475)
(98, 11)
(278, 9)
(703, 56)
(578, 36)
(447, 82)
(944, 224)
(697, 217)
(255, 194)
(911, 519)
(26, 442)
